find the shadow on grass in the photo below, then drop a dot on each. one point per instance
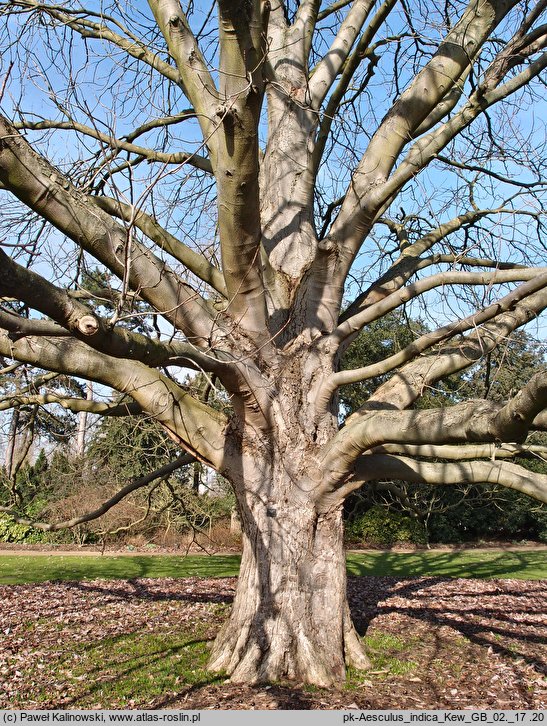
(502, 616)
(519, 564)
(489, 622)
(120, 670)
(61, 568)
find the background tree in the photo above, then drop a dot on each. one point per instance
(26, 422)
(454, 513)
(122, 452)
(269, 179)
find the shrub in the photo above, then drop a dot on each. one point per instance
(489, 513)
(11, 531)
(382, 527)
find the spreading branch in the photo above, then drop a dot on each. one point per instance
(327, 70)
(74, 318)
(473, 421)
(429, 340)
(353, 324)
(511, 476)
(369, 190)
(412, 379)
(194, 261)
(128, 42)
(468, 451)
(117, 144)
(189, 422)
(44, 189)
(76, 405)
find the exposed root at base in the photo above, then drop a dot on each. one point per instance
(239, 653)
(354, 649)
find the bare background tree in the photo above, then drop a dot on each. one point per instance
(262, 181)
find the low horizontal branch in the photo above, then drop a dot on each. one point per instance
(73, 318)
(71, 404)
(465, 452)
(511, 476)
(469, 422)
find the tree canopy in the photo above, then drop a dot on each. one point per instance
(239, 189)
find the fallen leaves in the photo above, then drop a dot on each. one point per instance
(464, 643)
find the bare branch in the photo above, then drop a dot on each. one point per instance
(339, 5)
(508, 475)
(194, 261)
(10, 368)
(176, 158)
(475, 421)
(409, 383)
(444, 107)
(362, 52)
(158, 123)
(370, 191)
(409, 262)
(517, 416)
(196, 79)
(304, 26)
(75, 318)
(515, 181)
(25, 326)
(429, 146)
(189, 422)
(356, 322)
(71, 404)
(43, 188)
(328, 69)
(429, 340)
(465, 452)
(134, 47)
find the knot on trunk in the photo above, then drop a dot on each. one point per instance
(88, 325)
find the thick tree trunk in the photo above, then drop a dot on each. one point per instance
(290, 618)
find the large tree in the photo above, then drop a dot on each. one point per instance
(265, 179)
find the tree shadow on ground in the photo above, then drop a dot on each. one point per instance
(284, 697)
(114, 670)
(477, 639)
(494, 621)
(136, 589)
(506, 563)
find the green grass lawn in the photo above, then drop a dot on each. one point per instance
(17, 569)
(499, 563)
(496, 563)
(140, 665)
